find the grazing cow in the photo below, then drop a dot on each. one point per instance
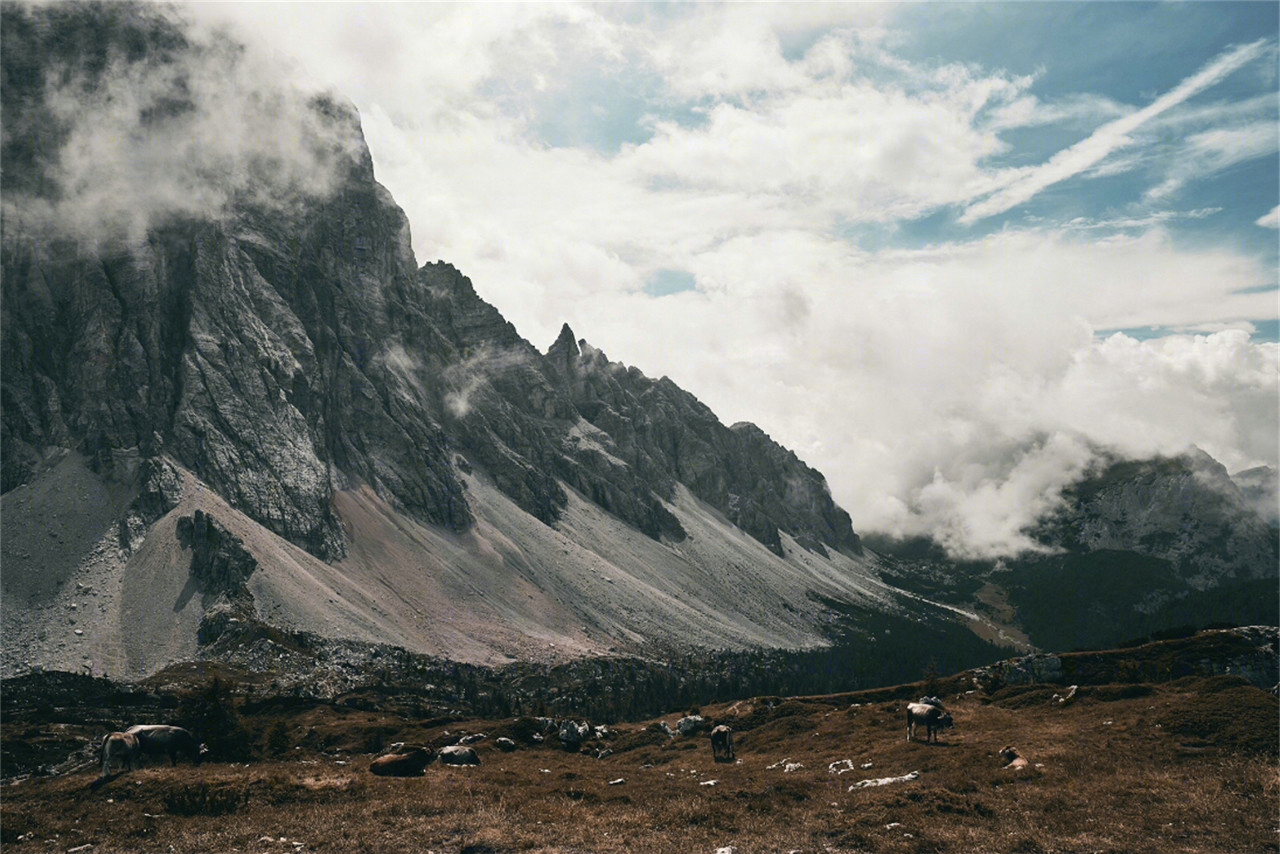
(162, 740)
(122, 746)
(412, 762)
(456, 754)
(1014, 760)
(933, 717)
(722, 744)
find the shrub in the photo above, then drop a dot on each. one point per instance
(210, 713)
(278, 742)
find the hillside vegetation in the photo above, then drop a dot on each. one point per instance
(1148, 755)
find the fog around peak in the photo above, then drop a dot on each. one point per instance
(190, 128)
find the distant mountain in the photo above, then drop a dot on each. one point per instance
(1260, 486)
(1134, 547)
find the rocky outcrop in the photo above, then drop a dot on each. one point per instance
(666, 435)
(1250, 652)
(159, 491)
(1041, 667)
(220, 563)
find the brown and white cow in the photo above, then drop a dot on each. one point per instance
(165, 740)
(122, 746)
(722, 744)
(933, 717)
(1014, 761)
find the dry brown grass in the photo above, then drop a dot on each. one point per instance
(1122, 769)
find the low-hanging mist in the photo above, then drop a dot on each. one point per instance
(141, 139)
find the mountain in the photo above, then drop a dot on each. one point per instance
(1134, 547)
(265, 412)
(240, 421)
(1261, 488)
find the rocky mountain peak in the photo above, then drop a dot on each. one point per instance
(562, 355)
(284, 351)
(565, 342)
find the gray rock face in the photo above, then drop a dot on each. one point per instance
(665, 435)
(283, 345)
(159, 491)
(1024, 671)
(219, 561)
(690, 724)
(1185, 510)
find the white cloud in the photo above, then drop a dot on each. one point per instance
(1027, 110)
(1022, 184)
(850, 150)
(937, 389)
(1214, 150)
(1271, 219)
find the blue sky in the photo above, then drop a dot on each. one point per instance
(941, 250)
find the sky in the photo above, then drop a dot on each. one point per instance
(942, 251)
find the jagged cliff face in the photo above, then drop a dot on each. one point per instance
(665, 435)
(248, 319)
(281, 351)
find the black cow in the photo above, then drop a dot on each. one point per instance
(162, 739)
(722, 744)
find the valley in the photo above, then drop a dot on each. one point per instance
(1151, 753)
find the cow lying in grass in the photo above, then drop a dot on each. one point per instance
(1013, 760)
(412, 762)
(934, 718)
(122, 746)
